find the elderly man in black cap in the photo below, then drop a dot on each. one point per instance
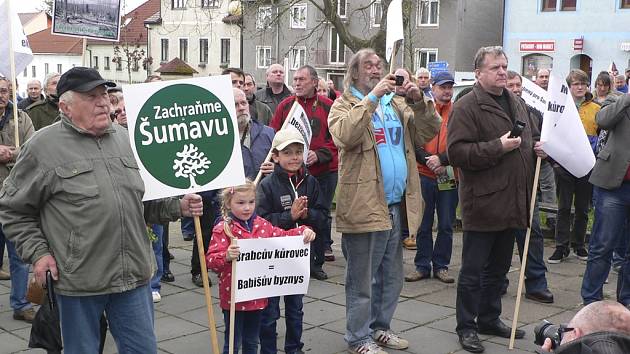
(75, 209)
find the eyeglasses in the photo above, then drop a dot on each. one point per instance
(240, 82)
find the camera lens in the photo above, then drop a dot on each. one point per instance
(546, 329)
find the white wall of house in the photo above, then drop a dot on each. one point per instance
(43, 64)
(105, 53)
(196, 26)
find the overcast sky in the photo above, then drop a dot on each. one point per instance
(34, 5)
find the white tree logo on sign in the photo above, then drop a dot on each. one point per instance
(191, 163)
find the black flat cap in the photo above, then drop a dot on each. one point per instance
(81, 79)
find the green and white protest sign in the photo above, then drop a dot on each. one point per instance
(184, 135)
(270, 267)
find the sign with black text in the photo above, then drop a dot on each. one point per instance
(270, 267)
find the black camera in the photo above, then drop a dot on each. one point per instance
(400, 80)
(546, 329)
(517, 130)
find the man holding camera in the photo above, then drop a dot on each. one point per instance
(600, 327)
(496, 165)
(376, 133)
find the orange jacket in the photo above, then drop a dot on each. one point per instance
(437, 146)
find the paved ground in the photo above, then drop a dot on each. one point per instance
(425, 314)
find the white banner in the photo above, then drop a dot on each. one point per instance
(21, 49)
(184, 135)
(534, 95)
(270, 267)
(394, 27)
(298, 120)
(563, 135)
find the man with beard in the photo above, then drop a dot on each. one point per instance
(255, 138)
(257, 110)
(44, 112)
(376, 132)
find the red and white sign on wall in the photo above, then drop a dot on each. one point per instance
(537, 46)
(578, 44)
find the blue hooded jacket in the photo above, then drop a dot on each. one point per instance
(390, 144)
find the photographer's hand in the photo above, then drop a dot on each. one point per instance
(547, 345)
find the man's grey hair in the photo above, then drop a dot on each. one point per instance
(67, 97)
(354, 64)
(483, 52)
(49, 77)
(621, 77)
(268, 71)
(423, 70)
(600, 316)
(311, 71)
(512, 74)
(34, 81)
(252, 77)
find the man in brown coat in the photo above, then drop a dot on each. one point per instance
(496, 181)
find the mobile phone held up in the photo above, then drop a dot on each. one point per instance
(517, 130)
(400, 80)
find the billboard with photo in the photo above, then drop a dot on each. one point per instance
(99, 19)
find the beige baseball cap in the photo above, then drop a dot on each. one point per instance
(286, 137)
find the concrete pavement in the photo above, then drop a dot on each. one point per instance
(425, 314)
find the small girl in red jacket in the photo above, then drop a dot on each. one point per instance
(238, 209)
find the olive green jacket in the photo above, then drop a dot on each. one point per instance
(7, 136)
(43, 113)
(81, 202)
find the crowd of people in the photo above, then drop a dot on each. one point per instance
(392, 153)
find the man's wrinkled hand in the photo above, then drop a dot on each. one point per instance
(413, 91)
(191, 205)
(385, 86)
(510, 144)
(538, 149)
(41, 266)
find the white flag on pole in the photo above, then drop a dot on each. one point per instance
(563, 135)
(534, 95)
(299, 121)
(394, 27)
(23, 53)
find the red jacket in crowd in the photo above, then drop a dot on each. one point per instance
(317, 109)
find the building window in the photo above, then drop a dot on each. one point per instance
(106, 63)
(337, 48)
(119, 63)
(183, 49)
(164, 49)
(532, 63)
(59, 69)
(263, 57)
(342, 8)
(46, 69)
(625, 4)
(568, 5)
(424, 56)
(34, 70)
(25, 71)
(549, 5)
(203, 50)
(297, 57)
(95, 62)
(136, 65)
(263, 18)
(178, 4)
(428, 12)
(298, 16)
(209, 3)
(376, 14)
(225, 51)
